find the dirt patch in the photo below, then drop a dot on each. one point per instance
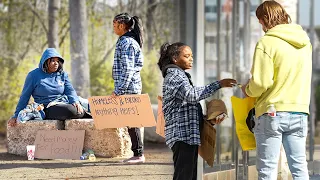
(158, 166)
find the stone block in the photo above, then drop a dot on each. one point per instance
(23, 134)
(113, 142)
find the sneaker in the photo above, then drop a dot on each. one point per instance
(135, 160)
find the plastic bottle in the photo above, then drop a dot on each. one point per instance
(92, 157)
(272, 111)
(84, 156)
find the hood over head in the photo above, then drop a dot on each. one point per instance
(49, 53)
(291, 33)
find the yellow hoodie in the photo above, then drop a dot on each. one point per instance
(281, 70)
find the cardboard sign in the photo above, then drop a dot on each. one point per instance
(121, 111)
(208, 143)
(160, 119)
(59, 144)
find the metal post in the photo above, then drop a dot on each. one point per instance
(237, 159)
(200, 63)
(312, 103)
(234, 35)
(235, 72)
(247, 7)
(245, 159)
(234, 58)
(218, 74)
(238, 94)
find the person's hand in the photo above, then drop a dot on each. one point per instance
(114, 95)
(79, 107)
(12, 122)
(220, 118)
(243, 88)
(227, 82)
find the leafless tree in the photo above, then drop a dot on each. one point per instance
(53, 16)
(79, 47)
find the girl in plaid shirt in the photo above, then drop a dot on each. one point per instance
(181, 107)
(127, 64)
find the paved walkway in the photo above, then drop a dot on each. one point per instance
(158, 166)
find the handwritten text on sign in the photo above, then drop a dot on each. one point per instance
(59, 144)
(117, 101)
(121, 111)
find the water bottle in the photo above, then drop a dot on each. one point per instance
(272, 111)
(92, 157)
(84, 156)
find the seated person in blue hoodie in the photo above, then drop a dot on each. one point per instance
(49, 85)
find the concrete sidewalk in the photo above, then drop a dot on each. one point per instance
(158, 166)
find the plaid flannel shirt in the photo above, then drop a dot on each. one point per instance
(180, 109)
(128, 62)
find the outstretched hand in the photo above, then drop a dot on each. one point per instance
(227, 82)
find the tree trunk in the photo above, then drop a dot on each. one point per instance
(53, 16)
(79, 47)
(151, 6)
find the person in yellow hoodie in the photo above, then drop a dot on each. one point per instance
(280, 82)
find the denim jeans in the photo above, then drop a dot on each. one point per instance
(289, 129)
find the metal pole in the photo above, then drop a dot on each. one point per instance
(218, 73)
(235, 72)
(247, 7)
(245, 164)
(200, 20)
(234, 58)
(237, 158)
(312, 103)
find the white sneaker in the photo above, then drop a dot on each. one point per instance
(135, 160)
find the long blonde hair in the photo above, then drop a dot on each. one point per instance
(272, 13)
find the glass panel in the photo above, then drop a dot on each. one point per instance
(210, 41)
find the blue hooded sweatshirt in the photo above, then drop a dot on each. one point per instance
(46, 87)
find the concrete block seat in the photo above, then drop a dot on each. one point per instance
(113, 142)
(23, 134)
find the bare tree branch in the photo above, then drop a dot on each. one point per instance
(38, 16)
(64, 26)
(30, 35)
(64, 36)
(60, 32)
(104, 59)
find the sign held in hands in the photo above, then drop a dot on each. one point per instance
(160, 119)
(121, 111)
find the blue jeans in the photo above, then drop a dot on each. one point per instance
(289, 129)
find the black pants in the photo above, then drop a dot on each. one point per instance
(63, 112)
(136, 141)
(185, 160)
